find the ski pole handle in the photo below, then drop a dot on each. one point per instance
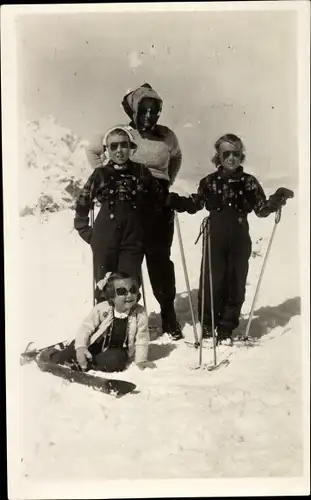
(278, 215)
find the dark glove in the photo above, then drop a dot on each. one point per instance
(86, 233)
(182, 203)
(284, 193)
(279, 198)
(172, 201)
(81, 224)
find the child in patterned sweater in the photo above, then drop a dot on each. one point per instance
(229, 194)
(125, 190)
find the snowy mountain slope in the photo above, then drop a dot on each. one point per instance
(53, 166)
(183, 423)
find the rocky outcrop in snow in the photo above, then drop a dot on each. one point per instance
(53, 167)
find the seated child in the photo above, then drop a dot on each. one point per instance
(124, 189)
(113, 334)
(229, 194)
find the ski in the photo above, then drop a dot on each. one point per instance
(103, 384)
(235, 342)
(211, 368)
(30, 354)
(110, 386)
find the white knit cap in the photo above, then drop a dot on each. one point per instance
(124, 129)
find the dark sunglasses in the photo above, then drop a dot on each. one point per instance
(122, 291)
(114, 145)
(226, 154)
(151, 111)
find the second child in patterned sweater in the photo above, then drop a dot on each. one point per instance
(229, 194)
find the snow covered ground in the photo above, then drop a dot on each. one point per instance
(242, 421)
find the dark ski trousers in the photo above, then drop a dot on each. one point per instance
(117, 242)
(158, 229)
(112, 360)
(230, 252)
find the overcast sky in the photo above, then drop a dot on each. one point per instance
(217, 72)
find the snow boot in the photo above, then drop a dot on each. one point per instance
(170, 324)
(207, 332)
(224, 335)
(173, 331)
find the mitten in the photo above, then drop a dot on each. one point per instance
(86, 234)
(274, 203)
(279, 198)
(83, 356)
(146, 364)
(81, 224)
(284, 193)
(172, 201)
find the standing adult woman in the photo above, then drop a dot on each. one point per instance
(158, 149)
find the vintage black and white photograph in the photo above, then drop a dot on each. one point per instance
(156, 225)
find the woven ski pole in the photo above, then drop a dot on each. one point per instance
(93, 270)
(277, 220)
(211, 288)
(183, 259)
(202, 290)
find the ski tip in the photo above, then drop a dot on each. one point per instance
(119, 388)
(28, 355)
(223, 363)
(211, 368)
(197, 367)
(27, 349)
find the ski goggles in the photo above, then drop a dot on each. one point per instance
(235, 154)
(113, 146)
(122, 291)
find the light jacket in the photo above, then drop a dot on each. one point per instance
(97, 323)
(157, 149)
